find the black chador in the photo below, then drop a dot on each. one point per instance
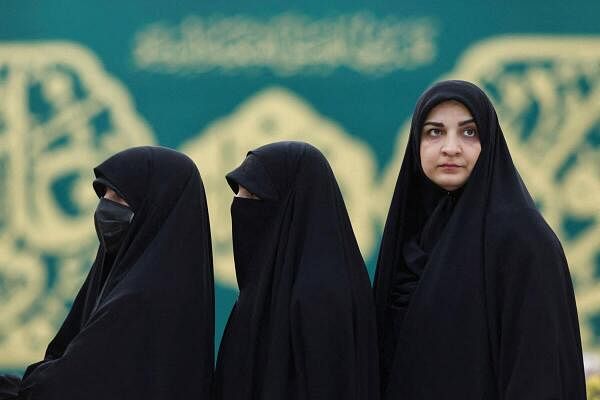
(473, 293)
(303, 326)
(141, 326)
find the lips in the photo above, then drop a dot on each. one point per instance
(449, 165)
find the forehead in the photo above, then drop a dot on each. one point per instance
(449, 110)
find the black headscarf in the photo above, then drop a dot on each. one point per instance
(9, 387)
(491, 312)
(303, 326)
(142, 325)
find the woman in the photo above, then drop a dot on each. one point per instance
(141, 326)
(303, 326)
(473, 293)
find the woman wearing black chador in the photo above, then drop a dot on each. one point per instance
(141, 326)
(473, 293)
(303, 326)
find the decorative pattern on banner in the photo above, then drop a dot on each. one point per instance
(287, 44)
(60, 115)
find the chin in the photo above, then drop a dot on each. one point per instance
(450, 185)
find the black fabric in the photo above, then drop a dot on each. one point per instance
(112, 220)
(415, 253)
(303, 326)
(9, 386)
(491, 314)
(100, 184)
(142, 325)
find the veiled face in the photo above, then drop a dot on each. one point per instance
(245, 193)
(450, 145)
(112, 195)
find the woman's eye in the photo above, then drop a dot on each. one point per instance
(435, 132)
(470, 132)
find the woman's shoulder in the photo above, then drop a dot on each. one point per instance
(519, 245)
(523, 225)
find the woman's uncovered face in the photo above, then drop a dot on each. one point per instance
(450, 145)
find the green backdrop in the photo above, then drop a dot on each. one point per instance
(80, 80)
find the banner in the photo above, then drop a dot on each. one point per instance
(80, 81)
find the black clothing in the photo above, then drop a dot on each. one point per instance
(415, 253)
(304, 325)
(112, 221)
(141, 327)
(9, 386)
(489, 311)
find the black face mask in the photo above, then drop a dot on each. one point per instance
(112, 221)
(250, 220)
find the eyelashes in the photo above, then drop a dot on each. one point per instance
(436, 132)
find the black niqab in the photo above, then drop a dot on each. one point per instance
(303, 326)
(490, 312)
(142, 325)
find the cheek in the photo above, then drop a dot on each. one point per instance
(474, 152)
(428, 157)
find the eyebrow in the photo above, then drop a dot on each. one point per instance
(465, 122)
(441, 124)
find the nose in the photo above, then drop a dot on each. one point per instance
(451, 145)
